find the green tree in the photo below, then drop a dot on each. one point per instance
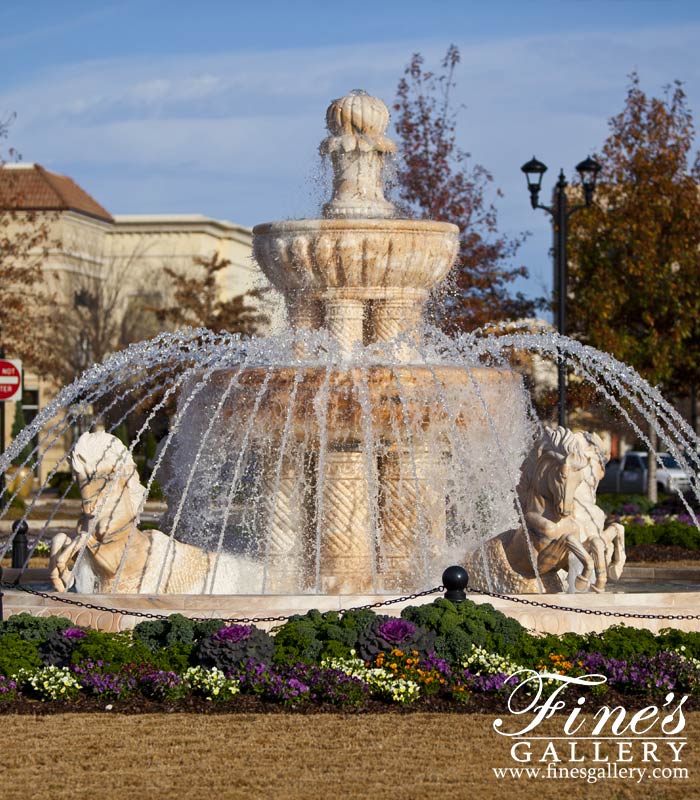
(437, 180)
(18, 425)
(635, 258)
(197, 301)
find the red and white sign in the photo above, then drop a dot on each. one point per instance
(10, 380)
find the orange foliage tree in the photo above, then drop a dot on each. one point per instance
(24, 245)
(197, 301)
(437, 180)
(635, 258)
(634, 280)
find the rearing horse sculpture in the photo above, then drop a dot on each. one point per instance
(113, 555)
(525, 558)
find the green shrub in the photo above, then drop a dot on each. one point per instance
(313, 636)
(686, 641)
(640, 534)
(459, 626)
(158, 633)
(113, 649)
(615, 503)
(34, 629)
(61, 481)
(17, 653)
(176, 657)
(155, 492)
(671, 532)
(23, 458)
(622, 642)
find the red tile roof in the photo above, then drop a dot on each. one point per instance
(30, 187)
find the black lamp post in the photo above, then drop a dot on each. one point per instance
(534, 171)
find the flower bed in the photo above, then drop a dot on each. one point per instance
(437, 656)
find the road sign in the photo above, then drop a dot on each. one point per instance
(10, 379)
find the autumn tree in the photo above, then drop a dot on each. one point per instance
(196, 300)
(437, 180)
(24, 245)
(635, 258)
(104, 306)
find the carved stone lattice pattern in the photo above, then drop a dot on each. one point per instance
(413, 515)
(393, 317)
(283, 527)
(346, 538)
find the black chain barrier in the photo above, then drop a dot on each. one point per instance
(455, 580)
(596, 612)
(235, 620)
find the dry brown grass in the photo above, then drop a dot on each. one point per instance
(150, 757)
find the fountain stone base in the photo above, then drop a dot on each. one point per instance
(539, 620)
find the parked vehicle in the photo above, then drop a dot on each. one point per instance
(629, 475)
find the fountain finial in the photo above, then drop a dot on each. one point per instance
(357, 146)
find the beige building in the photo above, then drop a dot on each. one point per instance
(122, 257)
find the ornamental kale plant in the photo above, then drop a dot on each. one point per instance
(385, 634)
(58, 646)
(158, 633)
(33, 629)
(229, 647)
(458, 627)
(314, 636)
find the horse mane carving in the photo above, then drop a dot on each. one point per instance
(101, 454)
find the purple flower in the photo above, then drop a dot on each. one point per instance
(433, 662)
(234, 633)
(74, 633)
(396, 631)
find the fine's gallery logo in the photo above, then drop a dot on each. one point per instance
(584, 742)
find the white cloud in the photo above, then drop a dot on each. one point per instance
(242, 128)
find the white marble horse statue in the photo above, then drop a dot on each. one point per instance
(528, 558)
(111, 554)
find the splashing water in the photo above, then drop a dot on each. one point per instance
(356, 451)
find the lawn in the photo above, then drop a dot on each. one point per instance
(291, 756)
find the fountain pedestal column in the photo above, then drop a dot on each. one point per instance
(346, 558)
(345, 320)
(305, 313)
(413, 515)
(283, 526)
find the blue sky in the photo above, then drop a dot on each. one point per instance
(217, 107)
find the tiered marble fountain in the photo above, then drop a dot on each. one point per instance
(354, 455)
(359, 449)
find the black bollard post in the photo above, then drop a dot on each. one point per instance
(20, 547)
(455, 580)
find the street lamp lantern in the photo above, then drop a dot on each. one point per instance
(534, 170)
(588, 170)
(560, 213)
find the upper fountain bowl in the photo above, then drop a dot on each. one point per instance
(368, 256)
(359, 247)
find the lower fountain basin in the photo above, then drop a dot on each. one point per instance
(391, 402)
